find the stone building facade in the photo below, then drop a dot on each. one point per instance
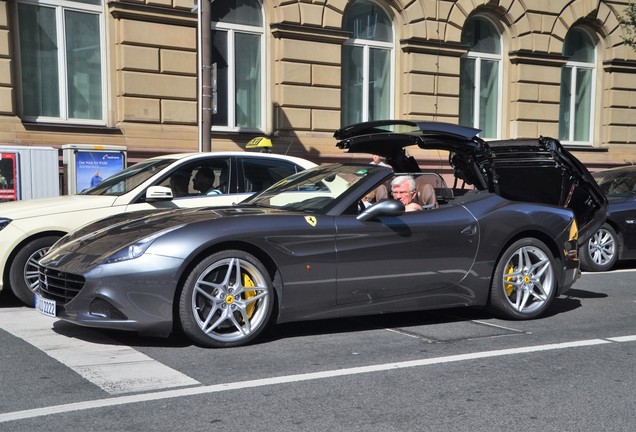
(297, 70)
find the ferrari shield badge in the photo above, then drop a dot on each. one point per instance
(311, 220)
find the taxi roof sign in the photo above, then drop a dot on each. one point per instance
(262, 143)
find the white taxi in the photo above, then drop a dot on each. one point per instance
(29, 228)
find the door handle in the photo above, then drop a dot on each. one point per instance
(470, 230)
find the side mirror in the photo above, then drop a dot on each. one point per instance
(158, 193)
(387, 207)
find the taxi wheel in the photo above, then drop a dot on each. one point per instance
(525, 281)
(23, 274)
(227, 300)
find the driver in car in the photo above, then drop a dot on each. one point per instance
(203, 180)
(403, 189)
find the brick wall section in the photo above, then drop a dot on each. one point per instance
(157, 72)
(306, 71)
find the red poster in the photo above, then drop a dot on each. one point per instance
(8, 177)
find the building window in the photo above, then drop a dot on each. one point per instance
(577, 88)
(237, 65)
(61, 54)
(480, 78)
(367, 64)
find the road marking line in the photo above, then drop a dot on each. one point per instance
(409, 334)
(631, 338)
(168, 394)
(116, 368)
(627, 270)
(501, 327)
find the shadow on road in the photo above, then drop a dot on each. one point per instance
(583, 294)
(282, 331)
(7, 299)
(402, 320)
(623, 265)
(564, 304)
(119, 337)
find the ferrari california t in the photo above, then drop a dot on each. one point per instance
(311, 247)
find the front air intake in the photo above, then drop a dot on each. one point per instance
(59, 286)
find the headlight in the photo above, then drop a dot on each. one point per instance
(138, 248)
(4, 222)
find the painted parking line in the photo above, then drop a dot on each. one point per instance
(217, 388)
(631, 338)
(625, 270)
(116, 368)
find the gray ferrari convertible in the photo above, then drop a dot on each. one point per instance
(331, 242)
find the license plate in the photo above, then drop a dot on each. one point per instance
(45, 306)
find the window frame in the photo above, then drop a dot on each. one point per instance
(60, 7)
(367, 45)
(266, 164)
(478, 56)
(574, 67)
(231, 29)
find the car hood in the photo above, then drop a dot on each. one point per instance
(97, 240)
(537, 170)
(49, 206)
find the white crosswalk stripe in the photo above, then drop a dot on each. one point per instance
(116, 368)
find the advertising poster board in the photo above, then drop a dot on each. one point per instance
(9, 190)
(92, 167)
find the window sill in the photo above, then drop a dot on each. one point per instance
(588, 149)
(29, 125)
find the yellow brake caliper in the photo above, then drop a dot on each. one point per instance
(248, 282)
(508, 287)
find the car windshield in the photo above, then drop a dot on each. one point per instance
(315, 190)
(128, 179)
(616, 183)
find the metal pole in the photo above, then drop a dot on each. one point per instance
(204, 30)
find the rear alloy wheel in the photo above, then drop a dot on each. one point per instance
(23, 274)
(227, 300)
(524, 282)
(600, 253)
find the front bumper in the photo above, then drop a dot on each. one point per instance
(136, 295)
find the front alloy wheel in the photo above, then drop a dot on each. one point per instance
(24, 272)
(524, 281)
(600, 253)
(227, 300)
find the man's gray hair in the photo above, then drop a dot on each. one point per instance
(404, 179)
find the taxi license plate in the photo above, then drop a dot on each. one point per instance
(45, 306)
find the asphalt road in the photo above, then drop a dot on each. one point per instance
(452, 370)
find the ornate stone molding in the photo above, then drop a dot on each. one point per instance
(537, 58)
(309, 33)
(622, 66)
(155, 14)
(426, 46)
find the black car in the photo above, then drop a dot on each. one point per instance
(504, 235)
(616, 239)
